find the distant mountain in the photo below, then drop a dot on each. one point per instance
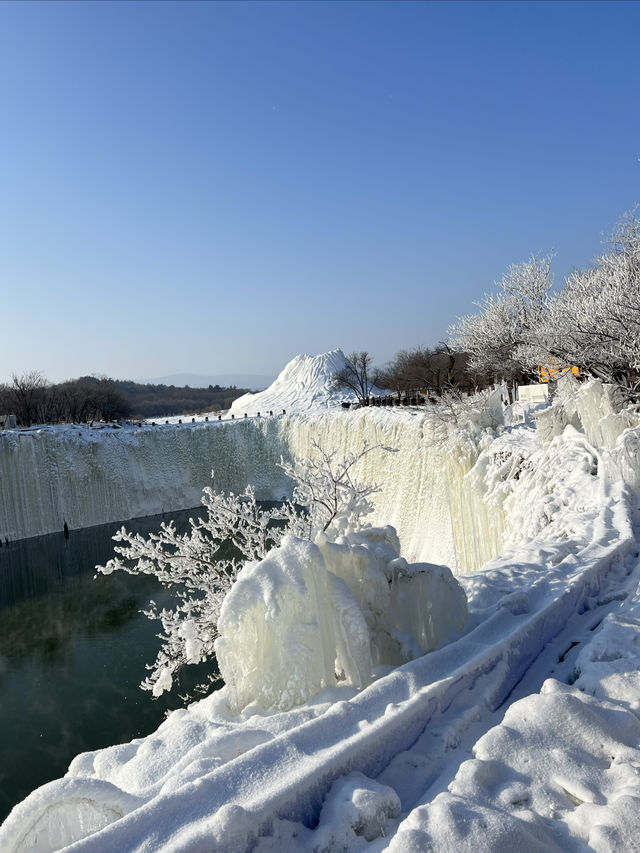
(253, 381)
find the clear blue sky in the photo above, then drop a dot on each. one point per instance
(216, 187)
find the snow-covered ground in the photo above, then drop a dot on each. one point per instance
(522, 734)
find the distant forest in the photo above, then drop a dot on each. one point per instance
(35, 400)
(148, 401)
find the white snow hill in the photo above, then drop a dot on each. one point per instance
(305, 383)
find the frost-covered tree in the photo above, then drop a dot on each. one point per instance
(325, 486)
(502, 337)
(201, 565)
(594, 321)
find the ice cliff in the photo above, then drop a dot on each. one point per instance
(446, 490)
(87, 477)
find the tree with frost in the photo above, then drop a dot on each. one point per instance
(325, 486)
(502, 338)
(355, 375)
(201, 565)
(594, 321)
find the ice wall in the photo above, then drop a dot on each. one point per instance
(428, 489)
(86, 476)
(450, 489)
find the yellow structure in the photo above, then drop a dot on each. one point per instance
(552, 372)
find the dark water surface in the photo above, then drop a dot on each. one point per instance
(73, 651)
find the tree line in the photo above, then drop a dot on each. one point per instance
(412, 374)
(89, 398)
(592, 322)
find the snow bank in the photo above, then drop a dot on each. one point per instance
(562, 769)
(311, 616)
(559, 772)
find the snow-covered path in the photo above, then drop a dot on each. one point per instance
(451, 741)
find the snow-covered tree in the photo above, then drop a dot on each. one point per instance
(201, 565)
(333, 499)
(594, 321)
(502, 337)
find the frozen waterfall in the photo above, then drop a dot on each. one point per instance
(447, 489)
(87, 477)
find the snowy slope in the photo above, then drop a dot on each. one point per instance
(305, 383)
(522, 735)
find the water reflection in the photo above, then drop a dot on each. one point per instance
(73, 651)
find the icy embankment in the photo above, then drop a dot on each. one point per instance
(435, 754)
(84, 476)
(90, 476)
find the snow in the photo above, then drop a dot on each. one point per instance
(312, 615)
(521, 734)
(304, 384)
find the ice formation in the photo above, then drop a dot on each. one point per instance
(311, 616)
(444, 491)
(92, 476)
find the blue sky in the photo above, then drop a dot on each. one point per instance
(216, 187)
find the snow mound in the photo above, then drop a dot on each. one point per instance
(304, 384)
(313, 615)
